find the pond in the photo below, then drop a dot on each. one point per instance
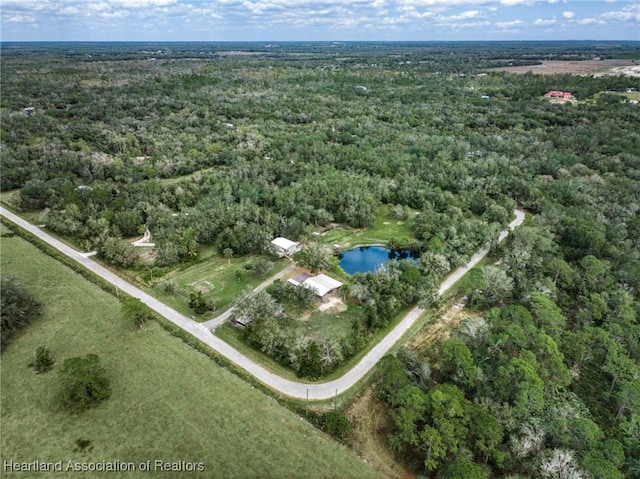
(370, 258)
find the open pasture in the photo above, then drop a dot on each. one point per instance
(169, 402)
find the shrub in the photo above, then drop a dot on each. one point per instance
(43, 361)
(83, 382)
(336, 424)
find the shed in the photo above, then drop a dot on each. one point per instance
(299, 279)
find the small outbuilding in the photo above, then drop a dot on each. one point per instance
(299, 279)
(285, 247)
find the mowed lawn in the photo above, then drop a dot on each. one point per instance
(217, 279)
(381, 230)
(169, 402)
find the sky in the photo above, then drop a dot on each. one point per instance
(318, 20)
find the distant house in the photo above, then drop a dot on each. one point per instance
(322, 285)
(559, 96)
(285, 247)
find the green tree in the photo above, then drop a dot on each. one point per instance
(497, 285)
(409, 405)
(199, 303)
(463, 468)
(316, 257)
(261, 268)
(485, 435)
(311, 362)
(135, 311)
(253, 306)
(394, 377)
(547, 315)
(83, 382)
(447, 409)
(457, 363)
(17, 308)
(530, 249)
(433, 447)
(118, 252)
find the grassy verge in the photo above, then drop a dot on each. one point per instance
(169, 402)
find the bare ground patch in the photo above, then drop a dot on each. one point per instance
(333, 305)
(586, 67)
(440, 328)
(202, 286)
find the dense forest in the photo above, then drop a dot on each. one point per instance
(230, 145)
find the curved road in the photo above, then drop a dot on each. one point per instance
(285, 386)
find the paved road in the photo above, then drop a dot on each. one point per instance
(285, 386)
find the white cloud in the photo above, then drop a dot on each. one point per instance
(313, 19)
(511, 24)
(20, 19)
(26, 4)
(465, 15)
(69, 11)
(142, 3)
(510, 3)
(457, 3)
(628, 13)
(544, 22)
(98, 7)
(590, 21)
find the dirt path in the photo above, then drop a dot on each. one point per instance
(144, 241)
(371, 424)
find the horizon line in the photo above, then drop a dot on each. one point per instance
(322, 41)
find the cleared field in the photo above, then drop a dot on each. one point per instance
(169, 402)
(326, 325)
(586, 67)
(382, 230)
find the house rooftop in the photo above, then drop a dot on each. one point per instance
(321, 284)
(283, 243)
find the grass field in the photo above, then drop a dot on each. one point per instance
(326, 325)
(382, 230)
(169, 402)
(217, 280)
